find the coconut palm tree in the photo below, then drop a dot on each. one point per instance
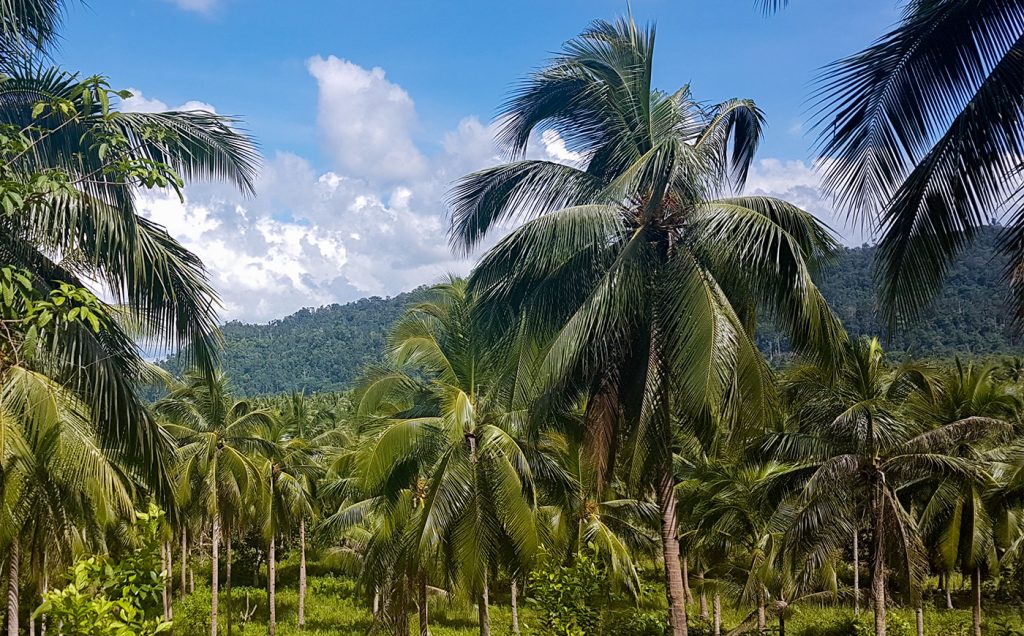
(61, 487)
(735, 508)
(859, 444)
(300, 463)
(635, 263)
(219, 440)
(451, 446)
(959, 517)
(580, 514)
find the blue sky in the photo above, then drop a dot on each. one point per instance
(365, 110)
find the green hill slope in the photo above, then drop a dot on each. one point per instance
(324, 349)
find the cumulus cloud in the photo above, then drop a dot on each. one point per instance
(367, 120)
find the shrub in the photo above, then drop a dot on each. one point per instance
(636, 623)
(107, 598)
(568, 597)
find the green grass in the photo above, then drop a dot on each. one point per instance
(335, 607)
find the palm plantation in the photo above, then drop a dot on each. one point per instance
(580, 437)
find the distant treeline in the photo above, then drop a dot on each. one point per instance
(324, 349)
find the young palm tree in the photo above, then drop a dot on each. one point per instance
(858, 444)
(218, 441)
(454, 450)
(60, 485)
(959, 518)
(634, 264)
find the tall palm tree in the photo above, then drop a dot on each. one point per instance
(452, 443)
(858, 446)
(922, 137)
(300, 461)
(634, 263)
(219, 439)
(290, 470)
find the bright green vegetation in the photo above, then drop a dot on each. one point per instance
(582, 437)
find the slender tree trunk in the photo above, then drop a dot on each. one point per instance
(703, 597)
(856, 574)
(376, 601)
(424, 607)
(485, 610)
(272, 587)
(227, 581)
(782, 625)
(165, 563)
(184, 562)
(762, 615)
(14, 576)
(976, 589)
(717, 604)
(949, 594)
(45, 590)
(515, 607)
(919, 612)
(401, 608)
(686, 580)
(214, 574)
(302, 572)
(878, 567)
(670, 553)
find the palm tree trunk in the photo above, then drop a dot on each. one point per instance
(166, 591)
(920, 618)
(184, 560)
(703, 597)
(214, 574)
(302, 572)
(976, 589)
(515, 607)
(424, 608)
(762, 615)
(485, 610)
(782, 625)
(14, 575)
(878, 567)
(376, 601)
(272, 587)
(686, 580)
(227, 580)
(717, 604)
(670, 553)
(949, 593)
(856, 574)
(401, 608)
(45, 590)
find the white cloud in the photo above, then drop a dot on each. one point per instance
(367, 120)
(139, 103)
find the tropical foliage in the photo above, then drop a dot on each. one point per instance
(582, 437)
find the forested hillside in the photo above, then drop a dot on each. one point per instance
(324, 349)
(319, 349)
